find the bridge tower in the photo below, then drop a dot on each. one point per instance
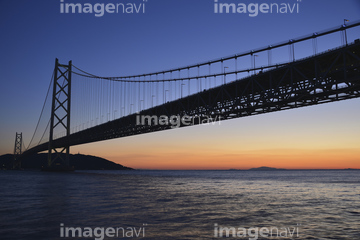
(60, 117)
(17, 151)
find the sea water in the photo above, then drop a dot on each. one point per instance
(316, 204)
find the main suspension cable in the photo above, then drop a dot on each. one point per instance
(42, 110)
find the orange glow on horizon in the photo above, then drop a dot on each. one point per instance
(190, 159)
(288, 159)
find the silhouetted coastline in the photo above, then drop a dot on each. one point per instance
(79, 161)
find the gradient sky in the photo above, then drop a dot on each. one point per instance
(175, 33)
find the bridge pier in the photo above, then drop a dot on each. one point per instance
(17, 151)
(58, 155)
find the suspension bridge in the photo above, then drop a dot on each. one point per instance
(87, 108)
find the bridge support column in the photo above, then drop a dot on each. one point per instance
(58, 155)
(17, 151)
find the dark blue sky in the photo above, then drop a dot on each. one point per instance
(171, 33)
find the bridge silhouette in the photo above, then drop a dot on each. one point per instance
(87, 108)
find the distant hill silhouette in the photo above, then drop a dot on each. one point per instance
(79, 161)
(266, 169)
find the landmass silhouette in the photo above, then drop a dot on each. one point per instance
(79, 161)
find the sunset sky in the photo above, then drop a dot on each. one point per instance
(170, 34)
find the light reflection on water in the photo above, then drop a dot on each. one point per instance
(180, 204)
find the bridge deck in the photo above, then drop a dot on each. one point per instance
(326, 77)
